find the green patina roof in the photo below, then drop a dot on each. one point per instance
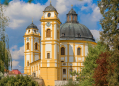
(50, 8)
(32, 26)
(72, 30)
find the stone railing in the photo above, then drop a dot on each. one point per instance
(61, 82)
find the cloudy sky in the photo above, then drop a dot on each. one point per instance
(21, 13)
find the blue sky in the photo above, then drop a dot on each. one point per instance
(21, 13)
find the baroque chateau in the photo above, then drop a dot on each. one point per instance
(59, 48)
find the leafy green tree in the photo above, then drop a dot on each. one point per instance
(110, 35)
(19, 80)
(86, 75)
(5, 55)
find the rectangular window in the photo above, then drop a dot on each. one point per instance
(78, 51)
(64, 78)
(48, 55)
(64, 71)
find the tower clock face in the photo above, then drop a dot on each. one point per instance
(27, 39)
(48, 24)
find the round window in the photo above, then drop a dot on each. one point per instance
(49, 14)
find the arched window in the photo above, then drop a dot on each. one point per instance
(48, 33)
(49, 14)
(48, 55)
(27, 63)
(57, 34)
(34, 31)
(78, 51)
(27, 45)
(62, 51)
(69, 17)
(73, 17)
(36, 45)
(29, 31)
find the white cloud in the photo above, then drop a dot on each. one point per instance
(15, 63)
(96, 15)
(20, 13)
(91, 18)
(17, 54)
(14, 47)
(96, 34)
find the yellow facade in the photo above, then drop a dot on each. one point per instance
(51, 69)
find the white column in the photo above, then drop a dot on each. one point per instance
(31, 43)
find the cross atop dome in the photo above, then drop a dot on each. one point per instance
(32, 19)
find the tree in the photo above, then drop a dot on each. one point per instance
(86, 75)
(110, 35)
(5, 55)
(18, 80)
(100, 73)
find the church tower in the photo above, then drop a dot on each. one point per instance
(31, 47)
(50, 38)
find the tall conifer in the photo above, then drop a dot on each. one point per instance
(110, 35)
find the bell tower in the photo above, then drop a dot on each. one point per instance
(32, 51)
(50, 29)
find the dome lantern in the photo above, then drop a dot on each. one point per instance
(73, 30)
(72, 16)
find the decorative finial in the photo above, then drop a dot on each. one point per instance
(32, 19)
(72, 5)
(50, 3)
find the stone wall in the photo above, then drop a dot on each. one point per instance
(60, 83)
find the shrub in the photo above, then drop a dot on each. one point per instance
(19, 80)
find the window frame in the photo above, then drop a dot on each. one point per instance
(63, 51)
(78, 53)
(48, 34)
(48, 55)
(27, 45)
(27, 63)
(64, 72)
(36, 46)
(69, 17)
(49, 14)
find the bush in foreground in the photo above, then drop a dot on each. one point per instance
(19, 80)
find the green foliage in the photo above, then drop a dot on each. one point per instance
(86, 75)
(5, 55)
(74, 73)
(110, 35)
(71, 83)
(19, 80)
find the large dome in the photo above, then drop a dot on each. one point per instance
(75, 31)
(50, 8)
(72, 30)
